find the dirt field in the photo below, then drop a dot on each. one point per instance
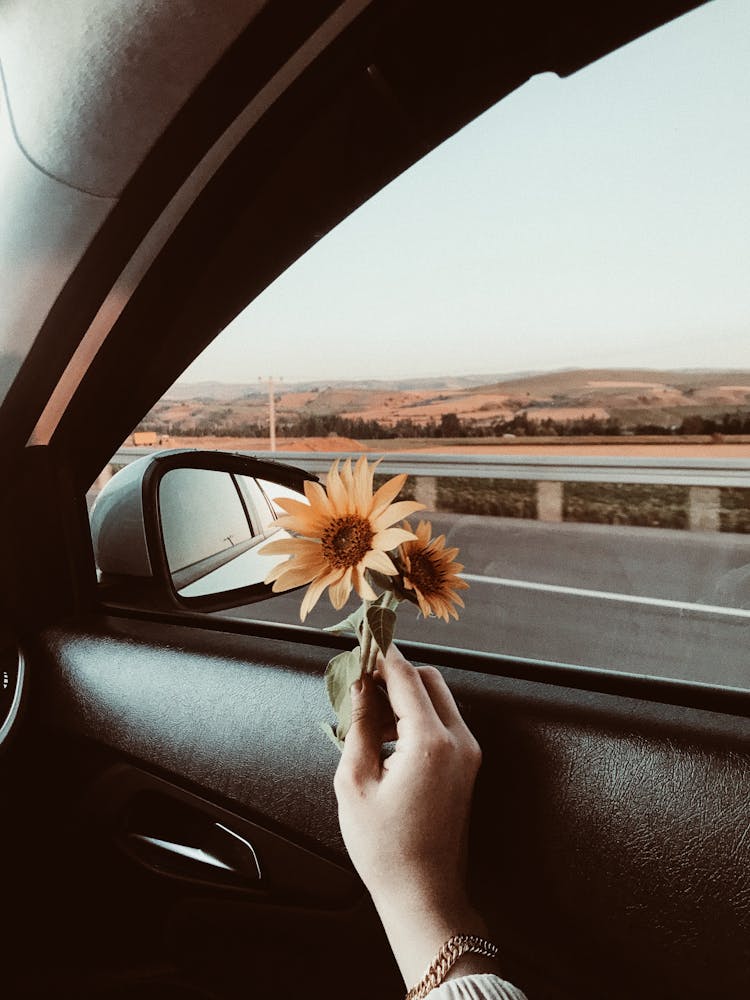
(261, 444)
(596, 447)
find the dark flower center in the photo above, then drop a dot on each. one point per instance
(424, 574)
(346, 541)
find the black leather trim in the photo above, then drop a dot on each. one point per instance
(611, 843)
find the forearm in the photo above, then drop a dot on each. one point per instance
(405, 820)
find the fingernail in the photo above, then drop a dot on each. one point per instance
(356, 688)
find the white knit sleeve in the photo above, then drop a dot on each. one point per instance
(478, 987)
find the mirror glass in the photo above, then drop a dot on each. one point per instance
(213, 524)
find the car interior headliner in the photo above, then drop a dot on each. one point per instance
(106, 78)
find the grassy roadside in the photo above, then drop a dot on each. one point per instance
(735, 511)
(653, 506)
(496, 497)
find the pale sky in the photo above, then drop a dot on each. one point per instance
(598, 220)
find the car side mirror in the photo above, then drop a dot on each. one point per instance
(184, 529)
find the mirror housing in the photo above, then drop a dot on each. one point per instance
(181, 529)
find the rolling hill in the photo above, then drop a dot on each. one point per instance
(637, 396)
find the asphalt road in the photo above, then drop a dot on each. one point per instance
(640, 600)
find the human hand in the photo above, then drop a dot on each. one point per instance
(405, 819)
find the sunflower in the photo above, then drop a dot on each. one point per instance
(344, 530)
(428, 569)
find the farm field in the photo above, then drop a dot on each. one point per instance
(651, 448)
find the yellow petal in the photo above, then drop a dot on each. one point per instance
(347, 479)
(289, 546)
(371, 470)
(318, 498)
(316, 588)
(276, 571)
(312, 561)
(339, 592)
(424, 531)
(362, 487)
(395, 512)
(306, 561)
(386, 540)
(309, 526)
(336, 492)
(387, 492)
(295, 576)
(361, 585)
(424, 607)
(297, 508)
(290, 504)
(379, 561)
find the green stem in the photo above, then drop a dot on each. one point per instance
(373, 658)
(365, 648)
(392, 602)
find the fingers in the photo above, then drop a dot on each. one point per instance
(408, 695)
(420, 694)
(441, 698)
(360, 760)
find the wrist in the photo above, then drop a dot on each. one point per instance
(417, 926)
(448, 963)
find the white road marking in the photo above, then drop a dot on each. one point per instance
(605, 595)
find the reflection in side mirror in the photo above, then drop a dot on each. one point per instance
(183, 529)
(213, 525)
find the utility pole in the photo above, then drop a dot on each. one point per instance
(271, 412)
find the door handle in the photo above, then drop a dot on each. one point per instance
(236, 855)
(185, 843)
(182, 851)
(205, 844)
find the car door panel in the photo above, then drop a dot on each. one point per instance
(610, 843)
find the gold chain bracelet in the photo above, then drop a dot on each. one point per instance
(446, 958)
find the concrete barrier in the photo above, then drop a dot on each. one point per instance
(549, 500)
(704, 508)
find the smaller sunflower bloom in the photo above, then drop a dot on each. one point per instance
(343, 530)
(429, 570)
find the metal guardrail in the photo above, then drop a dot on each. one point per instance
(716, 472)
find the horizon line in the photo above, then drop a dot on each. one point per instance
(518, 373)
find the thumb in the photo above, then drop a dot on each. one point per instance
(362, 746)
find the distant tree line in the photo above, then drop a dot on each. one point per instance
(450, 425)
(728, 423)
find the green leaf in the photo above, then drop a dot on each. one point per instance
(382, 622)
(381, 580)
(342, 671)
(331, 734)
(393, 584)
(351, 625)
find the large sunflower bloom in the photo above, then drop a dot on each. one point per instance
(429, 570)
(345, 530)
